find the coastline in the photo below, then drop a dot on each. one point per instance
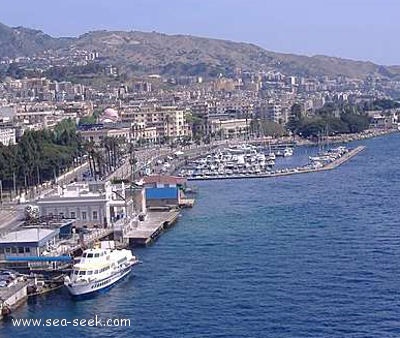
(343, 138)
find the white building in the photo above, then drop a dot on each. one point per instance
(93, 204)
(7, 136)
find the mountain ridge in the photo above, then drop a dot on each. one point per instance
(179, 54)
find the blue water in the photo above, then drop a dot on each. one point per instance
(315, 255)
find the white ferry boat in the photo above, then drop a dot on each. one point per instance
(98, 269)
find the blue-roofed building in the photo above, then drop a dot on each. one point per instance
(163, 197)
(164, 191)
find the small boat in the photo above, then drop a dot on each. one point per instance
(99, 269)
(287, 152)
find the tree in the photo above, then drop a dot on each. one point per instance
(295, 118)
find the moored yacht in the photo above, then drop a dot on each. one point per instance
(287, 152)
(99, 269)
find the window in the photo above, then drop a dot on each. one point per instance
(21, 250)
(84, 215)
(13, 250)
(94, 215)
(73, 215)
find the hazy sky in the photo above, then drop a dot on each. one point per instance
(356, 29)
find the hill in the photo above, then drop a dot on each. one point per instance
(20, 41)
(145, 52)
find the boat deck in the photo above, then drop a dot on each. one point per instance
(187, 202)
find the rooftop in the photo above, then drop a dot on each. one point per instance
(164, 179)
(32, 235)
(161, 193)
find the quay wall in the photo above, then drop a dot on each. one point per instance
(14, 296)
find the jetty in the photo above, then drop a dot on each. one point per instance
(12, 296)
(287, 172)
(148, 230)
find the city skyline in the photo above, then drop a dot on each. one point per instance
(359, 30)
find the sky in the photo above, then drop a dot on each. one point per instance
(354, 29)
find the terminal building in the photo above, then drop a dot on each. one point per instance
(94, 204)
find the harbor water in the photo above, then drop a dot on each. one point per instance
(313, 255)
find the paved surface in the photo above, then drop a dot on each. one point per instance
(154, 221)
(11, 216)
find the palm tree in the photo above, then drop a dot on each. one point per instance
(89, 147)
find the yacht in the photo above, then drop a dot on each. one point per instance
(287, 152)
(99, 269)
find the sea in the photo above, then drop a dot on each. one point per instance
(310, 255)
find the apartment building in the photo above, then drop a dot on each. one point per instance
(168, 121)
(7, 136)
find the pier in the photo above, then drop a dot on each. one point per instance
(287, 172)
(149, 230)
(12, 296)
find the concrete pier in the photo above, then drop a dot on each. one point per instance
(150, 229)
(13, 296)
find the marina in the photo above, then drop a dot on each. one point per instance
(328, 160)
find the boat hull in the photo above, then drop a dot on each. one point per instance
(96, 286)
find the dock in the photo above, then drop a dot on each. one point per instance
(149, 230)
(287, 172)
(12, 296)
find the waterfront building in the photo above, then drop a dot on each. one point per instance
(382, 121)
(27, 242)
(232, 128)
(93, 204)
(164, 191)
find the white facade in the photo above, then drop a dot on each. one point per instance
(7, 136)
(93, 204)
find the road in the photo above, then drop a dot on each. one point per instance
(11, 216)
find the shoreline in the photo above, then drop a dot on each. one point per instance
(342, 138)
